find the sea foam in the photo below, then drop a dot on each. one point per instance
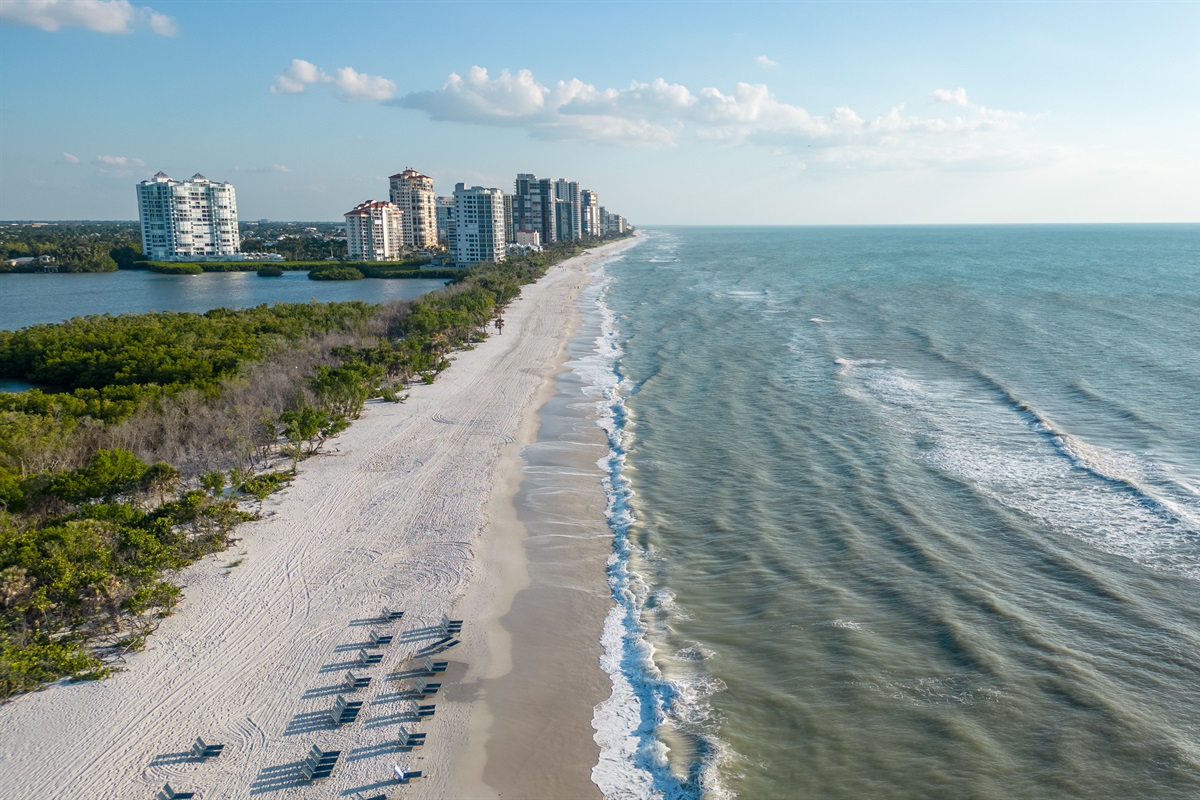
(1123, 503)
(633, 757)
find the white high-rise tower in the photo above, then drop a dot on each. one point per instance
(185, 220)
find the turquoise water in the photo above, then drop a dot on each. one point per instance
(904, 512)
(31, 299)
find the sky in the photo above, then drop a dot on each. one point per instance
(771, 113)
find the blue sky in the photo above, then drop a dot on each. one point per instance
(675, 112)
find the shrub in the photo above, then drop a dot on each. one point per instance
(335, 274)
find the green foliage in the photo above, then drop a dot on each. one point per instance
(74, 246)
(270, 272)
(153, 352)
(88, 533)
(109, 474)
(266, 484)
(335, 274)
(175, 269)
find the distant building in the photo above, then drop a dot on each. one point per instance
(478, 225)
(589, 202)
(534, 206)
(510, 231)
(187, 220)
(413, 193)
(612, 223)
(529, 239)
(445, 221)
(567, 211)
(374, 231)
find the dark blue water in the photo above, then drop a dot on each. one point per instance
(905, 512)
(30, 299)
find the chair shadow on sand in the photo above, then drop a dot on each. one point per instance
(278, 778)
(308, 721)
(182, 757)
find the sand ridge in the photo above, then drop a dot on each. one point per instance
(391, 514)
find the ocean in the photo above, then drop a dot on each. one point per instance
(902, 512)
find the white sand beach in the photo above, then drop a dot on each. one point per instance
(411, 508)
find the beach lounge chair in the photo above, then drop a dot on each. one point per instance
(380, 639)
(204, 751)
(344, 711)
(450, 626)
(418, 710)
(367, 658)
(403, 775)
(433, 667)
(167, 793)
(391, 615)
(423, 689)
(355, 682)
(319, 764)
(408, 741)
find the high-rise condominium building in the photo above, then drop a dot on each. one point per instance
(566, 195)
(413, 193)
(374, 231)
(185, 220)
(510, 231)
(534, 207)
(445, 222)
(589, 202)
(478, 225)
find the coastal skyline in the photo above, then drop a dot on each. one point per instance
(773, 113)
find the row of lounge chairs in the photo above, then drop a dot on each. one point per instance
(319, 764)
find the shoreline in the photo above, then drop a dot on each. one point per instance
(531, 733)
(398, 511)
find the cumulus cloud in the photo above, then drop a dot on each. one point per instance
(348, 83)
(957, 97)
(297, 77)
(102, 16)
(766, 62)
(119, 161)
(662, 114)
(70, 158)
(353, 85)
(568, 110)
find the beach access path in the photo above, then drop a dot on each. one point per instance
(393, 513)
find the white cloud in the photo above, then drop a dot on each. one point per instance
(568, 110)
(349, 84)
(102, 16)
(766, 62)
(957, 97)
(119, 161)
(353, 85)
(297, 77)
(70, 158)
(662, 114)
